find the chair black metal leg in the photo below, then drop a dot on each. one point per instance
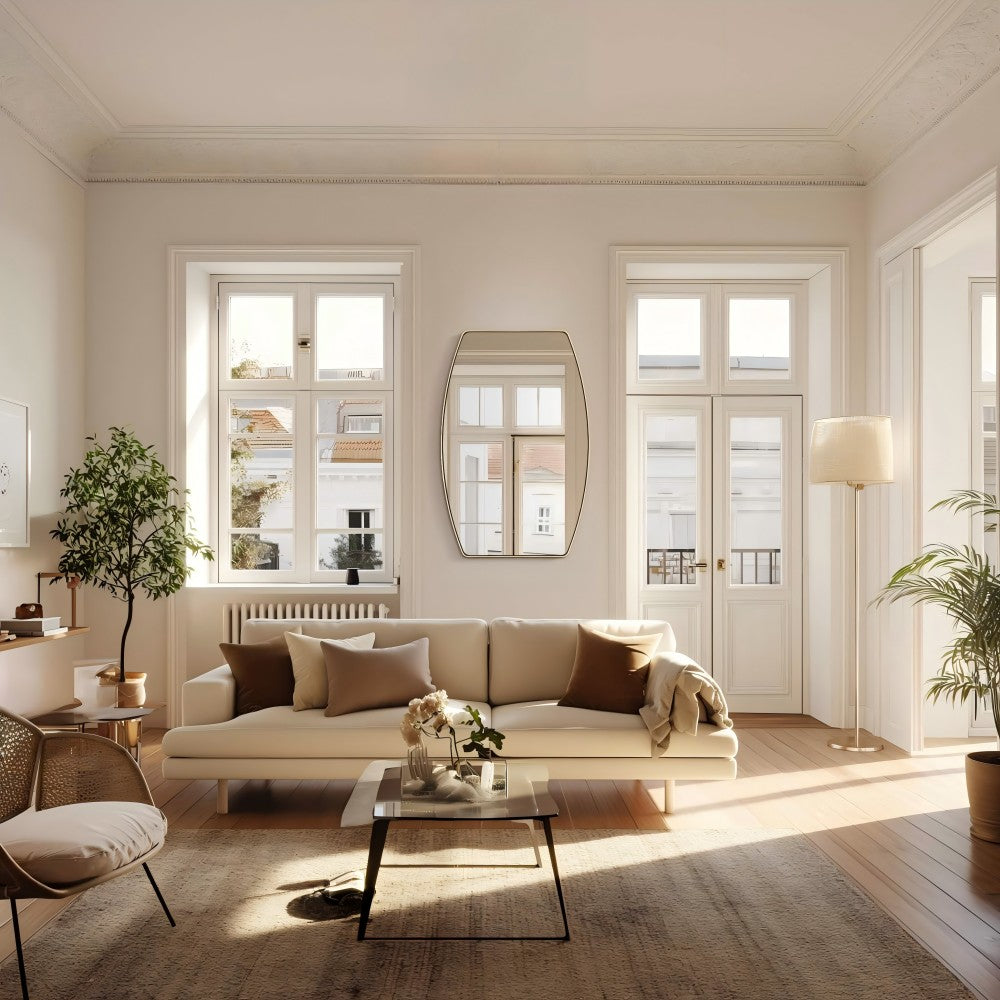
(20, 952)
(159, 895)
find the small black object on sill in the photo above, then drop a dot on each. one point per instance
(353, 579)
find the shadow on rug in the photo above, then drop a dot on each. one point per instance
(731, 915)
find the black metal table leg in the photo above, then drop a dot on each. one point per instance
(20, 950)
(547, 826)
(375, 847)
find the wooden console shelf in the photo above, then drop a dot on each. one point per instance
(28, 640)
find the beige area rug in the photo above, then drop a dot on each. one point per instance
(741, 914)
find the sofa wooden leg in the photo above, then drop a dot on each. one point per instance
(222, 797)
(668, 795)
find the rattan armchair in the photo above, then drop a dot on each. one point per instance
(65, 771)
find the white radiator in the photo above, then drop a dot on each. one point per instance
(234, 615)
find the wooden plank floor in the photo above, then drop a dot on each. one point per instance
(897, 825)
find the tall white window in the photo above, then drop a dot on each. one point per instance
(305, 400)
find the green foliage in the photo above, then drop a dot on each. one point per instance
(481, 735)
(964, 584)
(124, 528)
(249, 499)
(344, 556)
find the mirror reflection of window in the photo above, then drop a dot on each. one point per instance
(514, 443)
(540, 475)
(481, 497)
(538, 406)
(480, 406)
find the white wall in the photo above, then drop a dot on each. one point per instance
(490, 258)
(41, 364)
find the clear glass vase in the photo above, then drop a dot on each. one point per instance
(438, 779)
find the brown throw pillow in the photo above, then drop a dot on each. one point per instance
(263, 672)
(609, 673)
(359, 679)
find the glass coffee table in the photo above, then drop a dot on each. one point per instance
(377, 800)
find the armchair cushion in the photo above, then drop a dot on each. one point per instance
(67, 845)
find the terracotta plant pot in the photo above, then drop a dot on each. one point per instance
(132, 690)
(982, 777)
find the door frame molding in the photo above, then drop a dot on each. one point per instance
(825, 516)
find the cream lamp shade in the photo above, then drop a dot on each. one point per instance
(855, 450)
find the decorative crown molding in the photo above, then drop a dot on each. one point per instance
(951, 53)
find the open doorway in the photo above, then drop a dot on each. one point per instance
(958, 420)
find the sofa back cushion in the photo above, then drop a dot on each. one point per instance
(458, 646)
(532, 659)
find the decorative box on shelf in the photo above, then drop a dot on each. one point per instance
(436, 779)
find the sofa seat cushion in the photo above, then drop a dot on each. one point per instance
(75, 843)
(546, 729)
(709, 741)
(281, 732)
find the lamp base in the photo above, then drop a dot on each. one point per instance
(850, 742)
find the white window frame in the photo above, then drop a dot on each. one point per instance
(979, 288)
(984, 393)
(713, 378)
(306, 389)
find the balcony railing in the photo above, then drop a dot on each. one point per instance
(750, 566)
(669, 566)
(746, 566)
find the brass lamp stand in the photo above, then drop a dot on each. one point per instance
(856, 451)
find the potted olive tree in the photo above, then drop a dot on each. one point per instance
(966, 586)
(125, 530)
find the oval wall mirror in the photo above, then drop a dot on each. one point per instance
(514, 443)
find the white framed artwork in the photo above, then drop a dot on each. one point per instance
(14, 452)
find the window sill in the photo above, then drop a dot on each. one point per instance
(301, 588)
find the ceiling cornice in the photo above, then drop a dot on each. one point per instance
(945, 59)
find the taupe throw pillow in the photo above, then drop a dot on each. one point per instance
(609, 673)
(309, 667)
(376, 678)
(263, 672)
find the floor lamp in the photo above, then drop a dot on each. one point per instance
(855, 451)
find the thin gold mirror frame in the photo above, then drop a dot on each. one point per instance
(514, 444)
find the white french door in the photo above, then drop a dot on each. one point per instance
(715, 537)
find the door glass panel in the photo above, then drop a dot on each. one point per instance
(541, 491)
(671, 498)
(760, 333)
(350, 337)
(261, 483)
(755, 509)
(669, 337)
(480, 514)
(261, 336)
(988, 337)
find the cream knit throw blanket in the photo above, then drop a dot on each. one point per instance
(679, 695)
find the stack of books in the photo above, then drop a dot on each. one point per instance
(33, 627)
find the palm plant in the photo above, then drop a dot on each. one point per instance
(966, 586)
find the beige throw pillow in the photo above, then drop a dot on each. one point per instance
(609, 673)
(376, 678)
(309, 670)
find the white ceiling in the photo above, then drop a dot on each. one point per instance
(720, 64)
(594, 89)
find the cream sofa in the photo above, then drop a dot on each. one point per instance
(512, 670)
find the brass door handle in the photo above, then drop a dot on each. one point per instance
(700, 565)
(720, 563)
